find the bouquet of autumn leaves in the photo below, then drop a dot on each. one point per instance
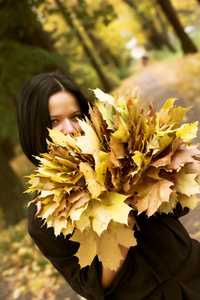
(125, 159)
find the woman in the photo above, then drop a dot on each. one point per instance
(165, 264)
(33, 110)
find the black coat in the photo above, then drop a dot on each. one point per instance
(165, 264)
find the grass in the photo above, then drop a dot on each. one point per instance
(165, 54)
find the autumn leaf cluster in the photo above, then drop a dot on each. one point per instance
(125, 159)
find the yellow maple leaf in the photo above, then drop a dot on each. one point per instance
(48, 209)
(186, 183)
(162, 117)
(118, 148)
(94, 187)
(169, 115)
(121, 108)
(65, 162)
(78, 207)
(193, 168)
(190, 202)
(88, 240)
(91, 245)
(45, 193)
(168, 104)
(76, 214)
(111, 207)
(132, 109)
(107, 114)
(63, 140)
(182, 156)
(163, 143)
(59, 225)
(104, 97)
(158, 193)
(109, 243)
(61, 206)
(101, 172)
(138, 158)
(102, 155)
(162, 162)
(96, 119)
(187, 131)
(73, 197)
(89, 143)
(122, 133)
(167, 207)
(153, 172)
(177, 115)
(84, 221)
(124, 234)
(68, 229)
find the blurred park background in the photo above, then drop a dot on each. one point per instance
(109, 44)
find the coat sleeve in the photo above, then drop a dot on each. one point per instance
(60, 252)
(179, 211)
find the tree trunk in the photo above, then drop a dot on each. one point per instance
(104, 52)
(163, 24)
(82, 35)
(157, 39)
(12, 200)
(187, 45)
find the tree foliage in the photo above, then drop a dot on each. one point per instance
(22, 62)
(25, 50)
(187, 44)
(156, 38)
(99, 24)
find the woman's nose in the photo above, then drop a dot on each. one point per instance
(66, 127)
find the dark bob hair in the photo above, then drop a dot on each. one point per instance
(33, 112)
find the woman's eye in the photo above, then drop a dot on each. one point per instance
(54, 122)
(80, 117)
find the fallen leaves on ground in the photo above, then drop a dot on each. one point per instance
(26, 272)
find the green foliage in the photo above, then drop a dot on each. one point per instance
(23, 54)
(105, 13)
(165, 54)
(19, 62)
(195, 36)
(91, 19)
(14, 14)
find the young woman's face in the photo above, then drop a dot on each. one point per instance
(64, 110)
